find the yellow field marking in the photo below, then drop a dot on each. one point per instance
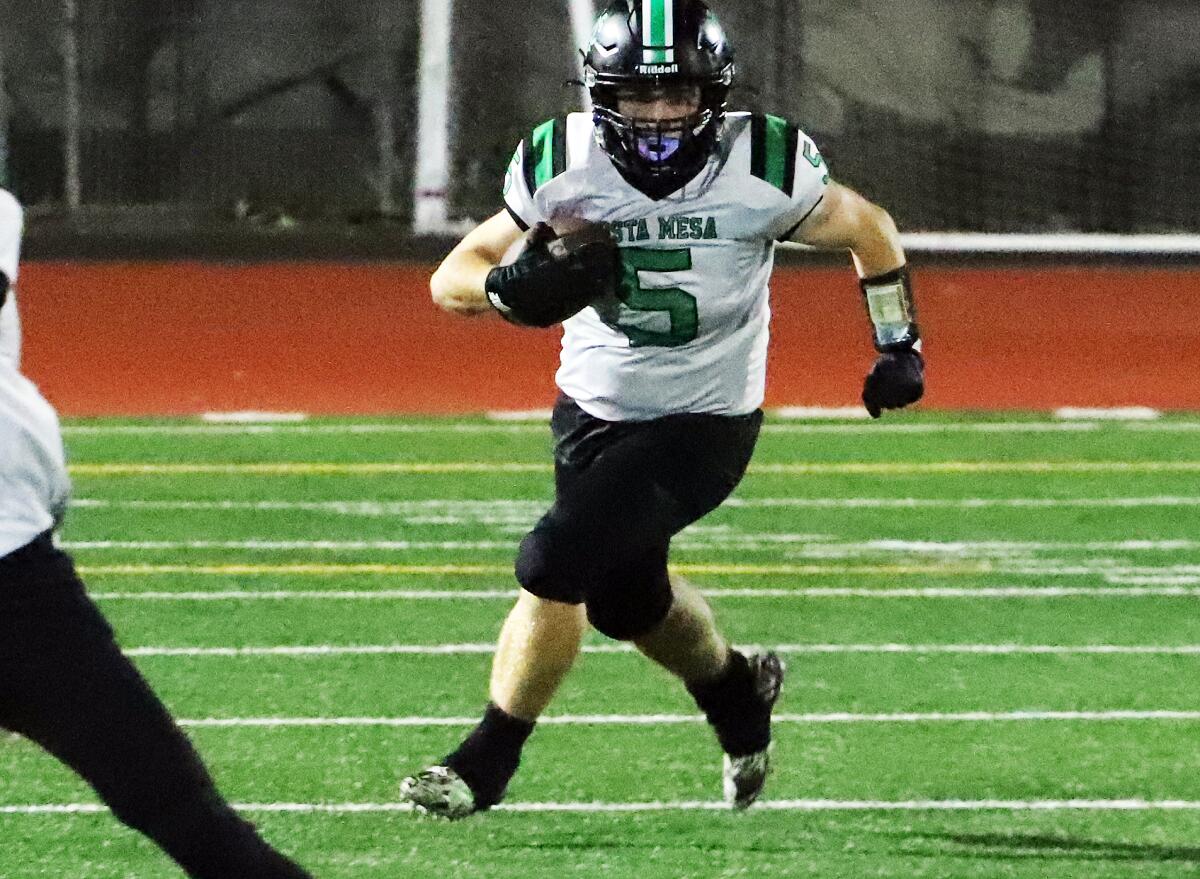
(883, 468)
(894, 468)
(317, 570)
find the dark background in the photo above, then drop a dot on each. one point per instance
(213, 117)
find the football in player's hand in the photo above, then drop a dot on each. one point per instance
(554, 276)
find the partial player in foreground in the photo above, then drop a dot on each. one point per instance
(64, 683)
(651, 230)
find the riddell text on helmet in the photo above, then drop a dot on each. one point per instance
(656, 69)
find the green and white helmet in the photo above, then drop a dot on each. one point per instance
(643, 47)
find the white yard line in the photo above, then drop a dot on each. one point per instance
(1008, 427)
(1164, 574)
(958, 546)
(1163, 426)
(473, 508)
(964, 503)
(530, 509)
(1109, 413)
(294, 429)
(682, 719)
(902, 468)
(290, 545)
(1155, 580)
(253, 417)
(712, 541)
(926, 592)
(319, 595)
(513, 426)
(318, 650)
(794, 468)
(542, 415)
(813, 805)
(304, 468)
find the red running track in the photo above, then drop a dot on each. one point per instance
(330, 338)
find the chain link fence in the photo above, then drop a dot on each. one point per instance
(976, 115)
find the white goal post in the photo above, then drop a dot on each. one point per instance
(431, 214)
(583, 13)
(432, 175)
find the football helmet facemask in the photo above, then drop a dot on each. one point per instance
(669, 53)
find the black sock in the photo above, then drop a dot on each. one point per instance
(489, 756)
(737, 713)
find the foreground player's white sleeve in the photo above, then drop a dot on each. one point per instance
(33, 476)
(11, 225)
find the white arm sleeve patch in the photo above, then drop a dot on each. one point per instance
(11, 224)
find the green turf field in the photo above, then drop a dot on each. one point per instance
(990, 623)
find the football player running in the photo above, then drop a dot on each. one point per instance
(662, 369)
(64, 683)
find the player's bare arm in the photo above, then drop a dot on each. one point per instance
(843, 219)
(551, 279)
(458, 283)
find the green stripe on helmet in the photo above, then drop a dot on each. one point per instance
(658, 31)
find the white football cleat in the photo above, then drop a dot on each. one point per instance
(438, 791)
(743, 776)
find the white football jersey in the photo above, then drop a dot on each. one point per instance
(688, 330)
(33, 474)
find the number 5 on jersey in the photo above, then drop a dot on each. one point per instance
(679, 305)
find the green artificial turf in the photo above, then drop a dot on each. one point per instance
(850, 775)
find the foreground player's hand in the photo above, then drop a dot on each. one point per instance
(554, 278)
(896, 380)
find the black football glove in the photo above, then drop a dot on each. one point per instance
(554, 278)
(897, 379)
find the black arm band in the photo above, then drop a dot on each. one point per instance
(4, 284)
(890, 306)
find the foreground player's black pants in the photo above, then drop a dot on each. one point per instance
(65, 685)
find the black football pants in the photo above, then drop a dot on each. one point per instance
(622, 490)
(65, 685)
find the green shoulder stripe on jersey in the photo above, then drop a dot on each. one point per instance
(773, 143)
(545, 153)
